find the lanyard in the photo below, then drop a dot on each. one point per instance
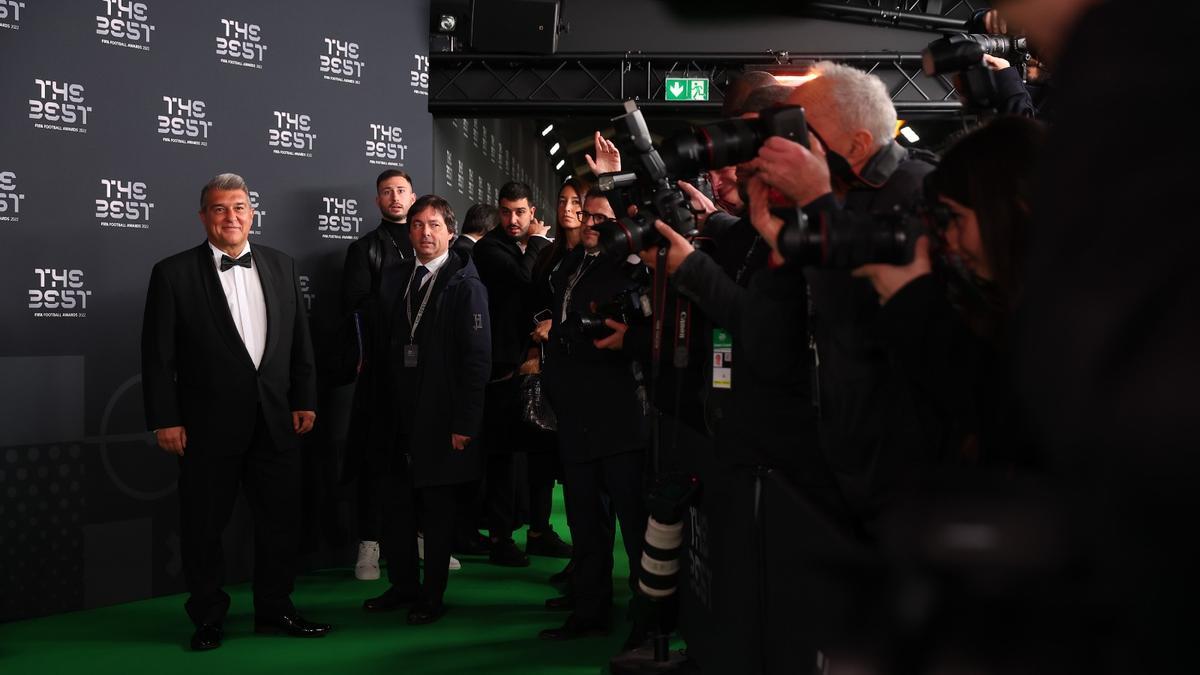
(394, 244)
(574, 280)
(413, 323)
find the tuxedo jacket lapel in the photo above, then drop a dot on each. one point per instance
(273, 288)
(218, 305)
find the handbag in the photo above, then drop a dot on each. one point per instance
(535, 406)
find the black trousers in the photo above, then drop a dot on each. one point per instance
(543, 466)
(590, 490)
(208, 490)
(502, 438)
(405, 510)
(368, 510)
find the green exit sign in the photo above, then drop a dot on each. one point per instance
(687, 88)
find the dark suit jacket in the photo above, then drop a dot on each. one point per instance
(508, 275)
(197, 373)
(444, 393)
(593, 391)
(464, 244)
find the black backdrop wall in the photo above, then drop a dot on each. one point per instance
(474, 157)
(114, 113)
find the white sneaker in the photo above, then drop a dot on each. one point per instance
(454, 563)
(367, 567)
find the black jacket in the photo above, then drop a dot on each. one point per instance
(196, 371)
(769, 417)
(508, 274)
(593, 391)
(367, 260)
(443, 395)
(853, 359)
(717, 285)
(369, 286)
(463, 244)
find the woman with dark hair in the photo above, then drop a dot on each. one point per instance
(945, 317)
(543, 464)
(985, 182)
(566, 235)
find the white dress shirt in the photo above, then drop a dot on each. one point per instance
(433, 266)
(244, 294)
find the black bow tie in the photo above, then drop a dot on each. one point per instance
(227, 262)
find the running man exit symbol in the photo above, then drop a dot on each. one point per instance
(687, 89)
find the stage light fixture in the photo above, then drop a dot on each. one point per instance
(560, 164)
(791, 74)
(554, 148)
(910, 135)
(548, 129)
(447, 23)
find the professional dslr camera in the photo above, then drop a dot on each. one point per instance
(651, 185)
(963, 54)
(629, 306)
(845, 240)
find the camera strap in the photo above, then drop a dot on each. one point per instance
(737, 278)
(683, 331)
(814, 353)
(573, 281)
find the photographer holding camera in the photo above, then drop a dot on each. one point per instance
(945, 327)
(856, 168)
(596, 394)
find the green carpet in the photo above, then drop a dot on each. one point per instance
(494, 614)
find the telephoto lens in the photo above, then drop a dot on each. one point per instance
(842, 240)
(956, 53)
(732, 141)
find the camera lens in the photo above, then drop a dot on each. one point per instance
(732, 141)
(625, 237)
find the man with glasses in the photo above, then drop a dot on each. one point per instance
(594, 390)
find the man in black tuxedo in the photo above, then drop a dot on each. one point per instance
(229, 387)
(438, 367)
(369, 287)
(506, 257)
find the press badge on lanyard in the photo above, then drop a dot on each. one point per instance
(722, 354)
(411, 351)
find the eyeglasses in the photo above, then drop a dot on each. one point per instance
(586, 218)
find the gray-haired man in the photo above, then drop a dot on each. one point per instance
(229, 387)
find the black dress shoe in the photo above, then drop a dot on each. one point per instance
(391, 599)
(423, 613)
(207, 636)
(563, 576)
(548, 544)
(477, 545)
(575, 628)
(565, 602)
(506, 554)
(290, 624)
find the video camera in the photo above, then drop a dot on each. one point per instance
(651, 185)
